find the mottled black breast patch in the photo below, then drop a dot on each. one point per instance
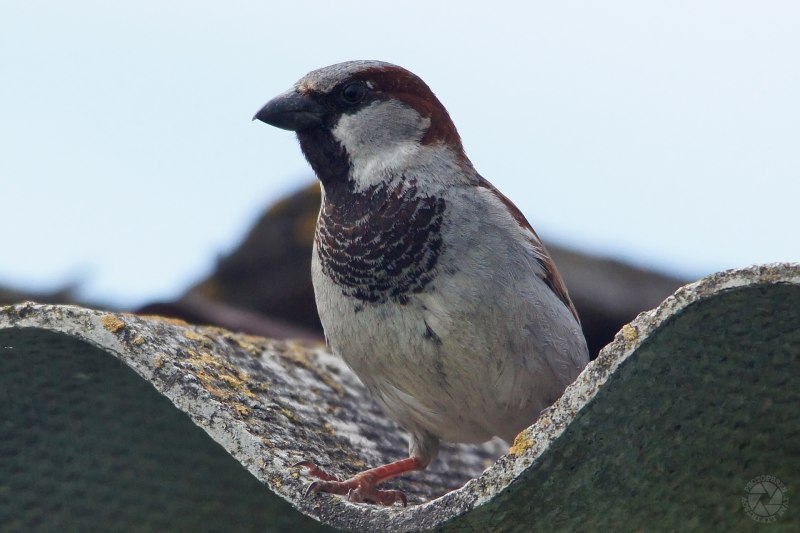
(380, 244)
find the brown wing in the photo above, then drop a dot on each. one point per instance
(551, 277)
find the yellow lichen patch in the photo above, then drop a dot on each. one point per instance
(213, 332)
(220, 377)
(330, 382)
(166, 320)
(295, 474)
(112, 323)
(629, 334)
(329, 428)
(209, 381)
(248, 343)
(192, 336)
(288, 414)
(242, 410)
(522, 443)
(259, 387)
(277, 481)
(138, 340)
(238, 382)
(158, 361)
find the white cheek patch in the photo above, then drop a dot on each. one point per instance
(379, 139)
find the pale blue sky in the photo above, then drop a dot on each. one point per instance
(667, 135)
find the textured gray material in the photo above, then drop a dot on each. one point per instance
(689, 403)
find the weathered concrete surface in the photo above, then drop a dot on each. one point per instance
(689, 403)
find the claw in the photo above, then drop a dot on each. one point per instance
(314, 470)
(354, 497)
(402, 496)
(313, 488)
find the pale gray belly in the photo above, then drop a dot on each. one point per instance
(437, 364)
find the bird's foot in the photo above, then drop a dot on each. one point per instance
(361, 488)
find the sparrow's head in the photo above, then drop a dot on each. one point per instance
(360, 122)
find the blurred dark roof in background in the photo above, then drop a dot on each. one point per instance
(264, 286)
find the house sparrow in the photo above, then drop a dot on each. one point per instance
(429, 282)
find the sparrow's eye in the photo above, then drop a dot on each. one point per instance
(354, 92)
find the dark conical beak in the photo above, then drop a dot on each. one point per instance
(291, 111)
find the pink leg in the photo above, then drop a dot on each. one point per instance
(361, 487)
